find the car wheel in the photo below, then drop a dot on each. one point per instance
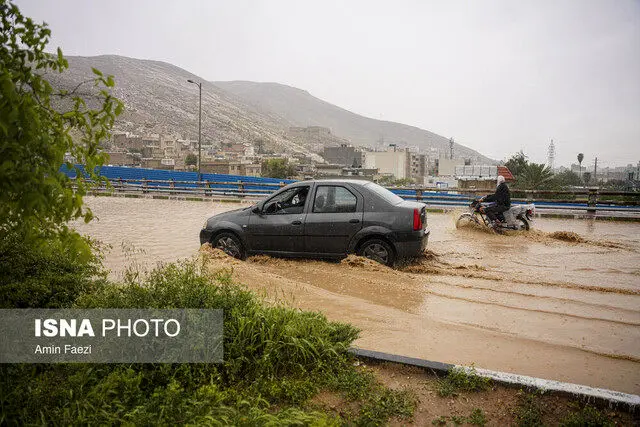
(229, 244)
(378, 250)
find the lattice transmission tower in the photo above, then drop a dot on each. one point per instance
(551, 156)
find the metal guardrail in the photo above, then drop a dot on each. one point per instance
(199, 188)
(592, 199)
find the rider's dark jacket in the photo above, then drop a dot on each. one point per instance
(502, 196)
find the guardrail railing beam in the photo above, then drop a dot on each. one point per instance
(592, 199)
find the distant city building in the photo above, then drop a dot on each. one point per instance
(447, 167)
(230, 167)
(152, 163)
(325, 170)
(151, 140)
(365, 173)
(481, 177)
(333, 170)
(120, 158)
(399, 163)
(345, 155)
(314, 137)
(418, 166)
(395, 163)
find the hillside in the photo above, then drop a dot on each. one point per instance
(297, 107)
(159, 99)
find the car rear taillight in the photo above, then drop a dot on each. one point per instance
(417, 220)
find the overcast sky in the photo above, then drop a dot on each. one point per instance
(498, 76)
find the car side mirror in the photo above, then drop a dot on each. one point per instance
(257, 210)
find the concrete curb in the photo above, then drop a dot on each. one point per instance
(404, 360)
(590, 394)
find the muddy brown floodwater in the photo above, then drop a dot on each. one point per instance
(561, 302)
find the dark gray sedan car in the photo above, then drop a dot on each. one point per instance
(323, 219)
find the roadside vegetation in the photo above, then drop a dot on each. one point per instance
(278, 168)
(460, 380)
(276, 359)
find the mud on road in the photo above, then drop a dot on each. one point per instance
(559, 302)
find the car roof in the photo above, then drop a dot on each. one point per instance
(359, 182)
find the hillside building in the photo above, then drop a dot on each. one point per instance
(345, 155)
(399, 163)
(481, 177)
(232, 167)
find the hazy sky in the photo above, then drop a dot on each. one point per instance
(498, 76)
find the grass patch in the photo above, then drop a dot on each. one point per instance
(384, 404)
(460, 380)
(587, 416)
(477, 417)
(529, 411)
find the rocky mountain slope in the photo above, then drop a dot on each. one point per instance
(299, 108)
(159, 99)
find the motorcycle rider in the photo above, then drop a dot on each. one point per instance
(502, 199)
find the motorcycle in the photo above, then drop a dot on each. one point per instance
(517, 217)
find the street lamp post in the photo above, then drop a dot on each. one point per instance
(199, 128)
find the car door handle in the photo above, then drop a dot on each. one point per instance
(354, 221)
(296, 222)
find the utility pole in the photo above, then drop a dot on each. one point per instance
(199, 129)
(595, 170)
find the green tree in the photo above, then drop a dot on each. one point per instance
(535, 176)
(191, 160)
(36, 133)
(567, 179)
(277, 168)
(517, 164)
(580, 159)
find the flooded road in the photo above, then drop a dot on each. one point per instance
(538, 304)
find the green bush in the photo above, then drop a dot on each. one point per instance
(587, 416)
(259, 340)
(50, 273)
(384, 404)
(276, 359)
(459, 379)
(529, 411)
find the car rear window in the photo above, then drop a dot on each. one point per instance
(385, 194)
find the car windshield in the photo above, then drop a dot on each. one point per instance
(385, 194)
